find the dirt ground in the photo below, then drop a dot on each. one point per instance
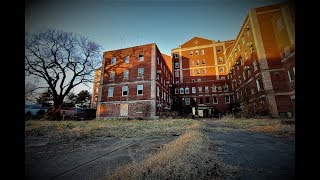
(91, 158)
(261, 155)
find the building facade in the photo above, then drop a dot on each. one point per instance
(96, 88)
(200, 77)
(261, 63)
(135, 82)
(256, 71)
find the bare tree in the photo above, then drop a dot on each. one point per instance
(63, 60)
(30, 92)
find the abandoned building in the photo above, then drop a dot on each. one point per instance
(203, 76)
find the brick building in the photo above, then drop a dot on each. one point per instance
(135, 82)
(261, 63)
(200, 77)
(203, 76)
(96, 87)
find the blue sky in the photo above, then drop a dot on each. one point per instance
(116, 24)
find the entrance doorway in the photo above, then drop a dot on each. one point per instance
(124, 110)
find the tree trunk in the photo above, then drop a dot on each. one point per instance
(54, 112)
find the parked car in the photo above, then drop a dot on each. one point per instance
(34, 109)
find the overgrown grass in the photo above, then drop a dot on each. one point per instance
(276, 126)
(111, 128)
(191, 156)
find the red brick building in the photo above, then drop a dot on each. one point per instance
(256, 70)
(96, 88)
(135, 82)
(261, 63)
(200, 77)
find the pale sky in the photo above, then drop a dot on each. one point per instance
(116, 24)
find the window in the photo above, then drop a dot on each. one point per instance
(158, 91)
(207, 100)
(175, 55)
(218, 50)
(227, 98)
(214, 88)
(125, 74)
(187, 101)
(114, 61)
(203, 61)
(191, 53)
(198, 71)
(220, 60)
(226, 88)
(124, 90)
(192, 80)
(112, 75)
(191, 63)
(206, 89)
(249, 73)
(127, 59)
(158, 76)
(200, 100)
(221, 69)
(140, 72)
(202, 51)
(187, 90)
(197, 52)
(176, 91)
(255, 67)
(219, 88)
(141, 56)
(200, 89)
(181, 91)
(161, 64)
(140, 89)
(258, 84)
(177, 81)
(176, 65)
(198, 63)
(192, 72)
(204, 70)
(243, 40)
(252, 89)
(176, 73)
(241, 62)
(280, 24)
(193, 90)
(238, 67)
(110, 91)
(215, 100)
(199, 80)
(291, 74)
(244, 75)
(222, 77)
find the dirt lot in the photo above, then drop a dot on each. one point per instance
(91, 158)
(261, 155)
(185, 149)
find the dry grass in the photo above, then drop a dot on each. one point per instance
(276, 126)
(111, 128)
(191, 156)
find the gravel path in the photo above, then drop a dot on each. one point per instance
(264, 156)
